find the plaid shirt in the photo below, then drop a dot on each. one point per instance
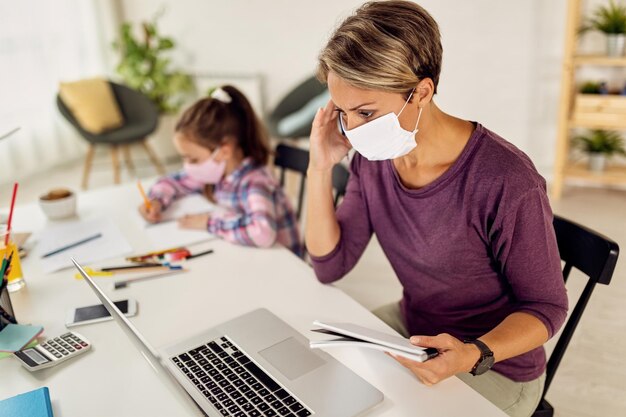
(256, 211)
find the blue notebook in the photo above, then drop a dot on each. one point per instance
(34, 403)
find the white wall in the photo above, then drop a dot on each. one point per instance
(502, 59)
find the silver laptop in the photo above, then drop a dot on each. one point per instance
(253, 365)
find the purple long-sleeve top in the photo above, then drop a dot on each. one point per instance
(470, 248)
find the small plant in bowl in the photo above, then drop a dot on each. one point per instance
(592, 87)
(610, 20)
(600, 145)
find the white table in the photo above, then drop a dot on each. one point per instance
(114, 379)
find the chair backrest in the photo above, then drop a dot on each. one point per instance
(293, 159)
(595, 256)
(292, 102)
(135, 107)
(340, 181)
(297, 159)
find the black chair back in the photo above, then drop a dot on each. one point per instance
(340, 181)
(595, 256)
(296, 159)
(293, 159)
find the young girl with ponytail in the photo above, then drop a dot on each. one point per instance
(225, 154)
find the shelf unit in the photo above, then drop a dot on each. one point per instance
(584, 111)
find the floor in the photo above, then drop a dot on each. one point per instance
(591, 380)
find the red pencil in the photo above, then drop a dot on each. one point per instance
(6, 237)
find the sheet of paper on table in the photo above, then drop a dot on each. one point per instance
(167, 234)
(110, 244)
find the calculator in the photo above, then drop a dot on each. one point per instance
(53, 351)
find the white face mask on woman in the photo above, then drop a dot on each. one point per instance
(383, 138)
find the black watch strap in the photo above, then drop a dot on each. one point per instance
(486, 359)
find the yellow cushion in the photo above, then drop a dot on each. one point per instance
(93, 104)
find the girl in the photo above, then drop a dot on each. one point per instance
(225, 154)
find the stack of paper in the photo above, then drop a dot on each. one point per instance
(110, 244)
(352, 335)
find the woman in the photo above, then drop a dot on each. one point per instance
(461, 213)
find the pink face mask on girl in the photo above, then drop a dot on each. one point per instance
(207, 172)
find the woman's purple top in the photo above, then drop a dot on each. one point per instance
(470, 248)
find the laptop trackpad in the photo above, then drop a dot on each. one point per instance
(291, 358)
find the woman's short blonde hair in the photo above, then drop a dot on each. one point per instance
(384, 45)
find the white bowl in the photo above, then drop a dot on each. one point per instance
(58, 208)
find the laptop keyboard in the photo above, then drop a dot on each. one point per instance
(234, 384)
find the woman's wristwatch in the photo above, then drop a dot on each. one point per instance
(486, 360)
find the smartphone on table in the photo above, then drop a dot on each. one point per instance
(97, 313)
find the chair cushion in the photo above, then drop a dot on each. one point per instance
(93, 104)
(293, 122)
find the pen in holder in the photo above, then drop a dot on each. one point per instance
(6, 309)
(11, 267)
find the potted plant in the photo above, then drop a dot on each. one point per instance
(600, 145)
(145, 66)
(593, 87)
(610, 20)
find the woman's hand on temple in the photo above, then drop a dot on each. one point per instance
(327, 145)
(454, 357)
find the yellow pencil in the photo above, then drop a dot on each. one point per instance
(143, 194)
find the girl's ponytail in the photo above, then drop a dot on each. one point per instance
(253, 138)
(211, 119)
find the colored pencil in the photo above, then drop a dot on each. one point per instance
(195, 255)
(143, 194)
(123, 267)
(72, 245)
(6, 237)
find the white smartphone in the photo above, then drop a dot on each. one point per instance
(97, 313)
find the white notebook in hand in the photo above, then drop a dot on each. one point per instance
(348, 334)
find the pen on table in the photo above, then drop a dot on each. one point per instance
(73, 245)
(123, 284)
(138, 266)
(139, 269)
(143, 194)
(195, 255)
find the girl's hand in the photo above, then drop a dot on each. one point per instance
(327, 145)
(153, 215)
(454, 357)
(194, 221)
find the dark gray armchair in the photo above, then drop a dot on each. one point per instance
(140, 120)
(292, 102)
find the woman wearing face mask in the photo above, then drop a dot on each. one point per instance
(225, 154)
(461, 214)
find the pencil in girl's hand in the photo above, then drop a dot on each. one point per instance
(145, 197)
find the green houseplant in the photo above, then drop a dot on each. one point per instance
(600, 145)
(610, 20)
(144, 65)
(590, 87)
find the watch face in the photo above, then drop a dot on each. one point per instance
(484, 365)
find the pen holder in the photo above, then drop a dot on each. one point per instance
(15, 278)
